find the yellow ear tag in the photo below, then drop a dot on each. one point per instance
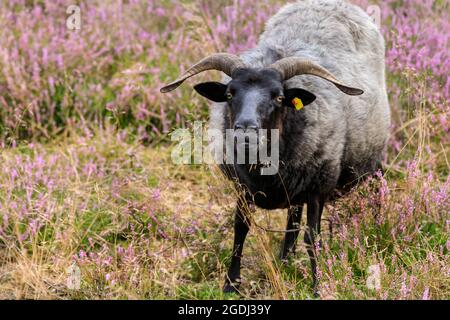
(298, 103)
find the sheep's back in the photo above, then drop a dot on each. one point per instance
(342, 38)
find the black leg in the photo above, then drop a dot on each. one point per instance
(241, 227)
(321, 206)
(290, 238)
(314, 212)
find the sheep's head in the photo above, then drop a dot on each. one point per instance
(254, 94)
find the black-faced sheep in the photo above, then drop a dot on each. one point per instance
(313, 51)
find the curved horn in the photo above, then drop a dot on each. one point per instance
(294, 66)
(224, 62)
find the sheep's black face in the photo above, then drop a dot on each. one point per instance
(253, 95)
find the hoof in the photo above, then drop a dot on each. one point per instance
(285, 254)
(316, 293)
(284, 261)
(230, 288)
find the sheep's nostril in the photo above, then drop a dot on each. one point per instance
(246, 126)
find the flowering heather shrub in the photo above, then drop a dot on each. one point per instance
(77, 187)
(53, 78)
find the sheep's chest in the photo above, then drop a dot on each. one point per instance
(268, 192)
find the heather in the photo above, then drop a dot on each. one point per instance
(86, 177)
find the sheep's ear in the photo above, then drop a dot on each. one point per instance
(214, 91)
(298, 98)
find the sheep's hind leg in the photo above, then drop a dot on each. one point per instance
(290, 238)
(241, 227)
(314, 212)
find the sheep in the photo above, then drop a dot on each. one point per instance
(338, 136)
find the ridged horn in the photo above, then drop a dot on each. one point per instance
(294, 66)
(224, 62)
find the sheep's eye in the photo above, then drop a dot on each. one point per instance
(229, 96)
(279, 99)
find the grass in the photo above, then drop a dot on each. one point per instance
(139, 227)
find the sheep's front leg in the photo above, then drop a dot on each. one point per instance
(241, 227)
(290, 239)
(314, 212)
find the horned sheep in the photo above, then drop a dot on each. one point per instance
(329, 55)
